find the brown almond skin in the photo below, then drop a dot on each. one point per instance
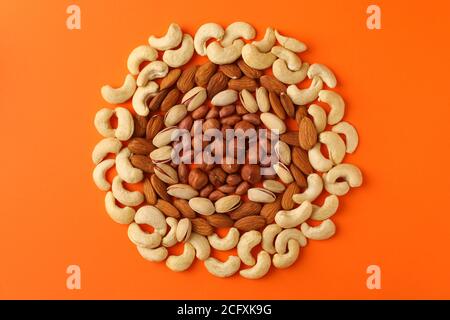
(243, 83)
(300, 113)
(170, 79)
(217, 83)
(253, 119)
(226, 189)
(240, 110)
(202, 227)
(155, 103)
(301, 160)
(186, 123)
(140, 126)
(272, 84)
(286, 200)
(269, 210)
(187, 79)
(212, 113)
(183, 172)
(140, 146)
(242, 188)
(171, 99)
(250, 223)
(206, 191)
(200, 112)
(298, 176)
(197, 178)
(307, 134)
(231, 70)
(154, 125)
(220, 220)
(204, 73)
(167, 208)
(246, 209)
(142, 162)
(276, 105)
(291, 138)
(227, 111)
(216, 195)
(160, 187)
(149, 192)
(210, 124)
(249, 71)
(287, 104)
(230, 120)
(184, 208)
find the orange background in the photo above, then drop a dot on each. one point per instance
(395, 83)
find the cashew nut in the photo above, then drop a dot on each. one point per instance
(178, 57)
(170, 40)
(284, 74)
(314, 189)
(322, 71)
(99, 174)
(257, 59)
(304, 96)
(224, 55)
(260, 269)
(128, 198)
(268, 236)
(337, 188)
(141, 238)
(125, 169)
(226, 243)
(151, 216)
(120, 215)
(266, 43)
(335, 146)
(142, 96)
(121, 94)
(139, 55)
(294, 217)
(287, 259)
(290, 43)
(292, 60)
(204, 33)
(171, 239)
(154, 255)
(125, 124)
(318, 160)
(154, 70)
(201, 246)
(223, 269)
(336, 103)
(247, 242)
(238, 30)
(351, 136)
(286, 235)
(319, 117)
(322, 232)
(328, 209)
(183, 261)
(103, 147)
(102, 124)
(349, 172)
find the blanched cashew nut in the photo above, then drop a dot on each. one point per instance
(319, 117)
(154, 70)
(292, 60)
(204, 33)
(334, 144)
(315, 187)
(178, 57)
(171, 239)
(224, 55)
(260, 269)
(201, 246)
(318, 160)
(290, 43)
(125, 124)
(287, 259)
(284, 74)
(102, 124)
(268, 236)
(286, 235)
(120, 215)
(153, 255)
(99, 174)
(170, 40)
(105, 146)
(266, 43)
(183, 261)
(247, 242)
(238, 30)
(322, 232)
(351, 136)
(223, 269)
(337, 188)
(128, 198)
(328, 209)
(151, 216)
(322, 71)
(142, 96)
(256, 59)
(294, 217)
(141, 238)
(125, 169)
(121, 94)
(139, 55)
(336, 103)
(349, 172)
(226, 243)
(304, 96)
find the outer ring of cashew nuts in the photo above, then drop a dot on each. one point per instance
(294, 217)
(178, 57)
(105, 146)
(286, 235)
(125, 169)
(204, 33)
(350, 133)
(318, 160)
(322, 232)
(256, 59)
(327, 210)
(125, 123)
(170, 40)
(142, 238)
(171, 239)
(262, 99)
(335, 145)
(237, 30)
(292, 60)
(154, 255)
(223, 269)
(287, 259)
(265, 44)
(247, 242)
(151, 216)
(201, 246)
(117, 214)
(183, 261)
(268, 237)
(260, 269)
(102, 124)
(121, 94)
(336, 103)
(290, 43)
(322, 71)
(304, 96)
(224, 55)
(99, 174)
(128, 198)
(351, 174)
(314, 189)
(226, 243)
(141, 97)
(284, 74)
(139, 55)
(319, 117)
(224, 98)
(337, 188)
(154, 70)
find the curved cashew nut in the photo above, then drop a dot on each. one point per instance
(268, 236)
(183, 261)
(171, 237)
(204, 33)
(238, 30)
(178, 57)
(128, 198)
(256, 59)
(247, 242)
(153, 255)
(139, 55)
(121, 94)
(349, 172)
(141, 238)
(287, 259)
(322, 71)
(304, 96)
(294, 217)
(315, 187)
(266, 43)
(318, 160)
(99, 174)
(102, 124)
(151, 216)
(170, 40)
(125, 169)
(351, 136)
(201, 246)
(336, 188)
(328, 209)
(290, 43)
(125, 124)
(154, 70)
(319, 117)
(141, 97)
(292, 60)
(105, 146)
(284, 74)
(286, 235)
(223, 269)
(224, 55)
(335, 146)
(260, 269)
(336, 103)
(322, 232)
(226, 243)
(120, 215)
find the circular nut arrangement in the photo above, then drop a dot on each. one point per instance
(186, 198)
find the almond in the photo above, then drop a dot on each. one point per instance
(158, 99)
(183, 206)
(172, 98)
(300, 113)
(202, 227)
(140, 126)
(160, 187)
(149, 192)
(286, 200)
(298, 176)
(204, 73)
(154, 125)
(269, 210)
(301, 160)
(246, 209)
(276, 105)
(170, 79)
(243, 83)
(250, 223)
(287, 104)
(249, 71)
(217, 83)
(307, 134)
(167, 208)
(220, 220)
(140, 146)
(232, 71)
(187, 79)
(291, 138)
(272, 84)
(142, 162)
(183, 173)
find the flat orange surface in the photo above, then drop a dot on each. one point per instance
(395, 83)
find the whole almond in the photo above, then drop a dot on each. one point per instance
(172, 98)
(232, 71)
(243, 83)
(298, 176)
(307, 134)
(301, 160)
(155, 103)
(142, 162)
(167, 208)
(226, 188)
(160, 187)
(140, 126)
(204, 73)
(250, 223)
(300, 113)
(249, 71)
(183, 172)
(254, 119)
(286, 200)
(287, 104)
(242, 188)
(202, 227)
(220, 220)
(206, 191)
(154, 125)
(216, 84)
(187, 79)
(140, 146)
(291, 138)
(170, 79)
(246, 209)
(216, 195)
(149, 192)
(230, 120)
(272, 84)
(269, 210)
(184, 208)
(276, 105)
